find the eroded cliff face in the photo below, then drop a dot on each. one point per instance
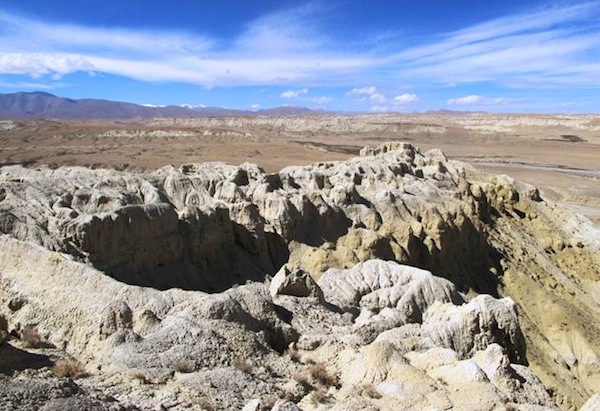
(86, 249)
(209, 226)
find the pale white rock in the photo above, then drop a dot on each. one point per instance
(592, 404)
(465, 371)
(463, 328)
(283, 405)
(375, 285)
(253, 405)
(432, 358)
(473, 326)
(297, 283)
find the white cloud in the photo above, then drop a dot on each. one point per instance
(552, 47)
(39, 64)
(377, 98)
(322, 100)
(405, 98)
(380, 109)
(273, 50)
(362, 90)
(463, 101)
(545, 48)
(294, 93)
(476, 99)
(101, 40)
(24, 85)
(286, 31)
(369, 93)
(255, 107)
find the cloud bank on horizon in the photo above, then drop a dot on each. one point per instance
(544, 59)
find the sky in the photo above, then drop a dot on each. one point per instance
(342, 55)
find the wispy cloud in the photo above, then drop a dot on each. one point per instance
(286, 31)
(475, 99)
(379, 101)
(461, 101)
(322, 100)
(272, 50)
(543, 48)
(357, 91)
(398, 103)
(369, 93)
(294, 93)
(537, 49)
(19, 31)
(39, 64)
(405, 98)
(25, 85)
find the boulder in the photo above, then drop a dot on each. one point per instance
(296, 283)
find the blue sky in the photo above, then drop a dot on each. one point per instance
(350, 55)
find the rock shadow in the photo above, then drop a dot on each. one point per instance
(464, 256)
(211, 264)
(14, 359)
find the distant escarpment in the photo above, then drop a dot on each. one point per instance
(207, 267)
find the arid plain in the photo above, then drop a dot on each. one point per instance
(558, 153)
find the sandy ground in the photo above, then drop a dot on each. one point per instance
(559, 154)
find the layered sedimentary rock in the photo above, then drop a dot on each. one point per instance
(139, 277)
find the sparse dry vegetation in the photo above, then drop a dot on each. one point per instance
(294, 355)
(139, 376)
(31, 338)
(267, 403)
(205, 404)
(319, 396)
(243, 365)
(69, 368)
(316, 377)
(184, 366)
(369, 390)
(304, 381)
(321, 375)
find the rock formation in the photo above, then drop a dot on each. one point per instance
(394, 279)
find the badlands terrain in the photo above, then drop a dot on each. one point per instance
(558, 153)
(325, 262)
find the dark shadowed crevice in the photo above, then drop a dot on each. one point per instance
(203, 251)
(465, 257)
(14, 359)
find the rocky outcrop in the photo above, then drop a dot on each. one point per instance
(195, 223)
(50, 393)
(202, 346)
(397, 258)
(297, 282)
(375, 285)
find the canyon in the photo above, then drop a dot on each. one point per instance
(306, 262)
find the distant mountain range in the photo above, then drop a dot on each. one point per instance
(45, 105)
